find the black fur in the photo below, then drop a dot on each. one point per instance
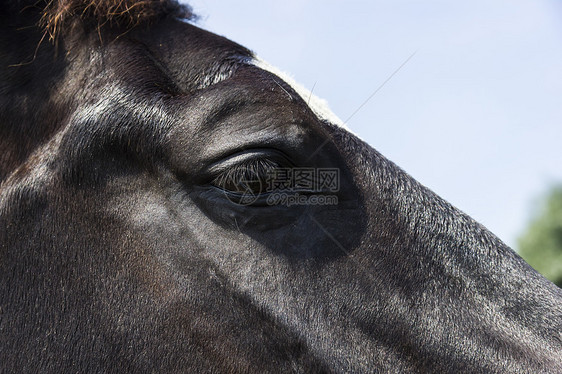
(118, 252)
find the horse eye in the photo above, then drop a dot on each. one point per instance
(250, 177)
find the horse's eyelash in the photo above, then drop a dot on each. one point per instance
(258, 168)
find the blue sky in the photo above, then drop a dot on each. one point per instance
(475, 115)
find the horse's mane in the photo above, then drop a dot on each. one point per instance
(56, 14)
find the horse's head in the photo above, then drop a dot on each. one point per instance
(170, 203)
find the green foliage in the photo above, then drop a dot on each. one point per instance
(541, 244)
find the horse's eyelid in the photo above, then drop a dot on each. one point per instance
(248, 158)
(255, 166)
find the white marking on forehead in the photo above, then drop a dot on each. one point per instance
(319, 106)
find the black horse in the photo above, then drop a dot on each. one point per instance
(168, 204)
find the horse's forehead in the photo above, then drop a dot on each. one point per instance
(317, 105)
(197, 59)
(193, 58)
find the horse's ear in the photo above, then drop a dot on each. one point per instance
(8, 7)
(19, 14)
(16, 10)
(20, 33)
(27, 59)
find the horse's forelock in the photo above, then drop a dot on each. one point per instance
(56, 14)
